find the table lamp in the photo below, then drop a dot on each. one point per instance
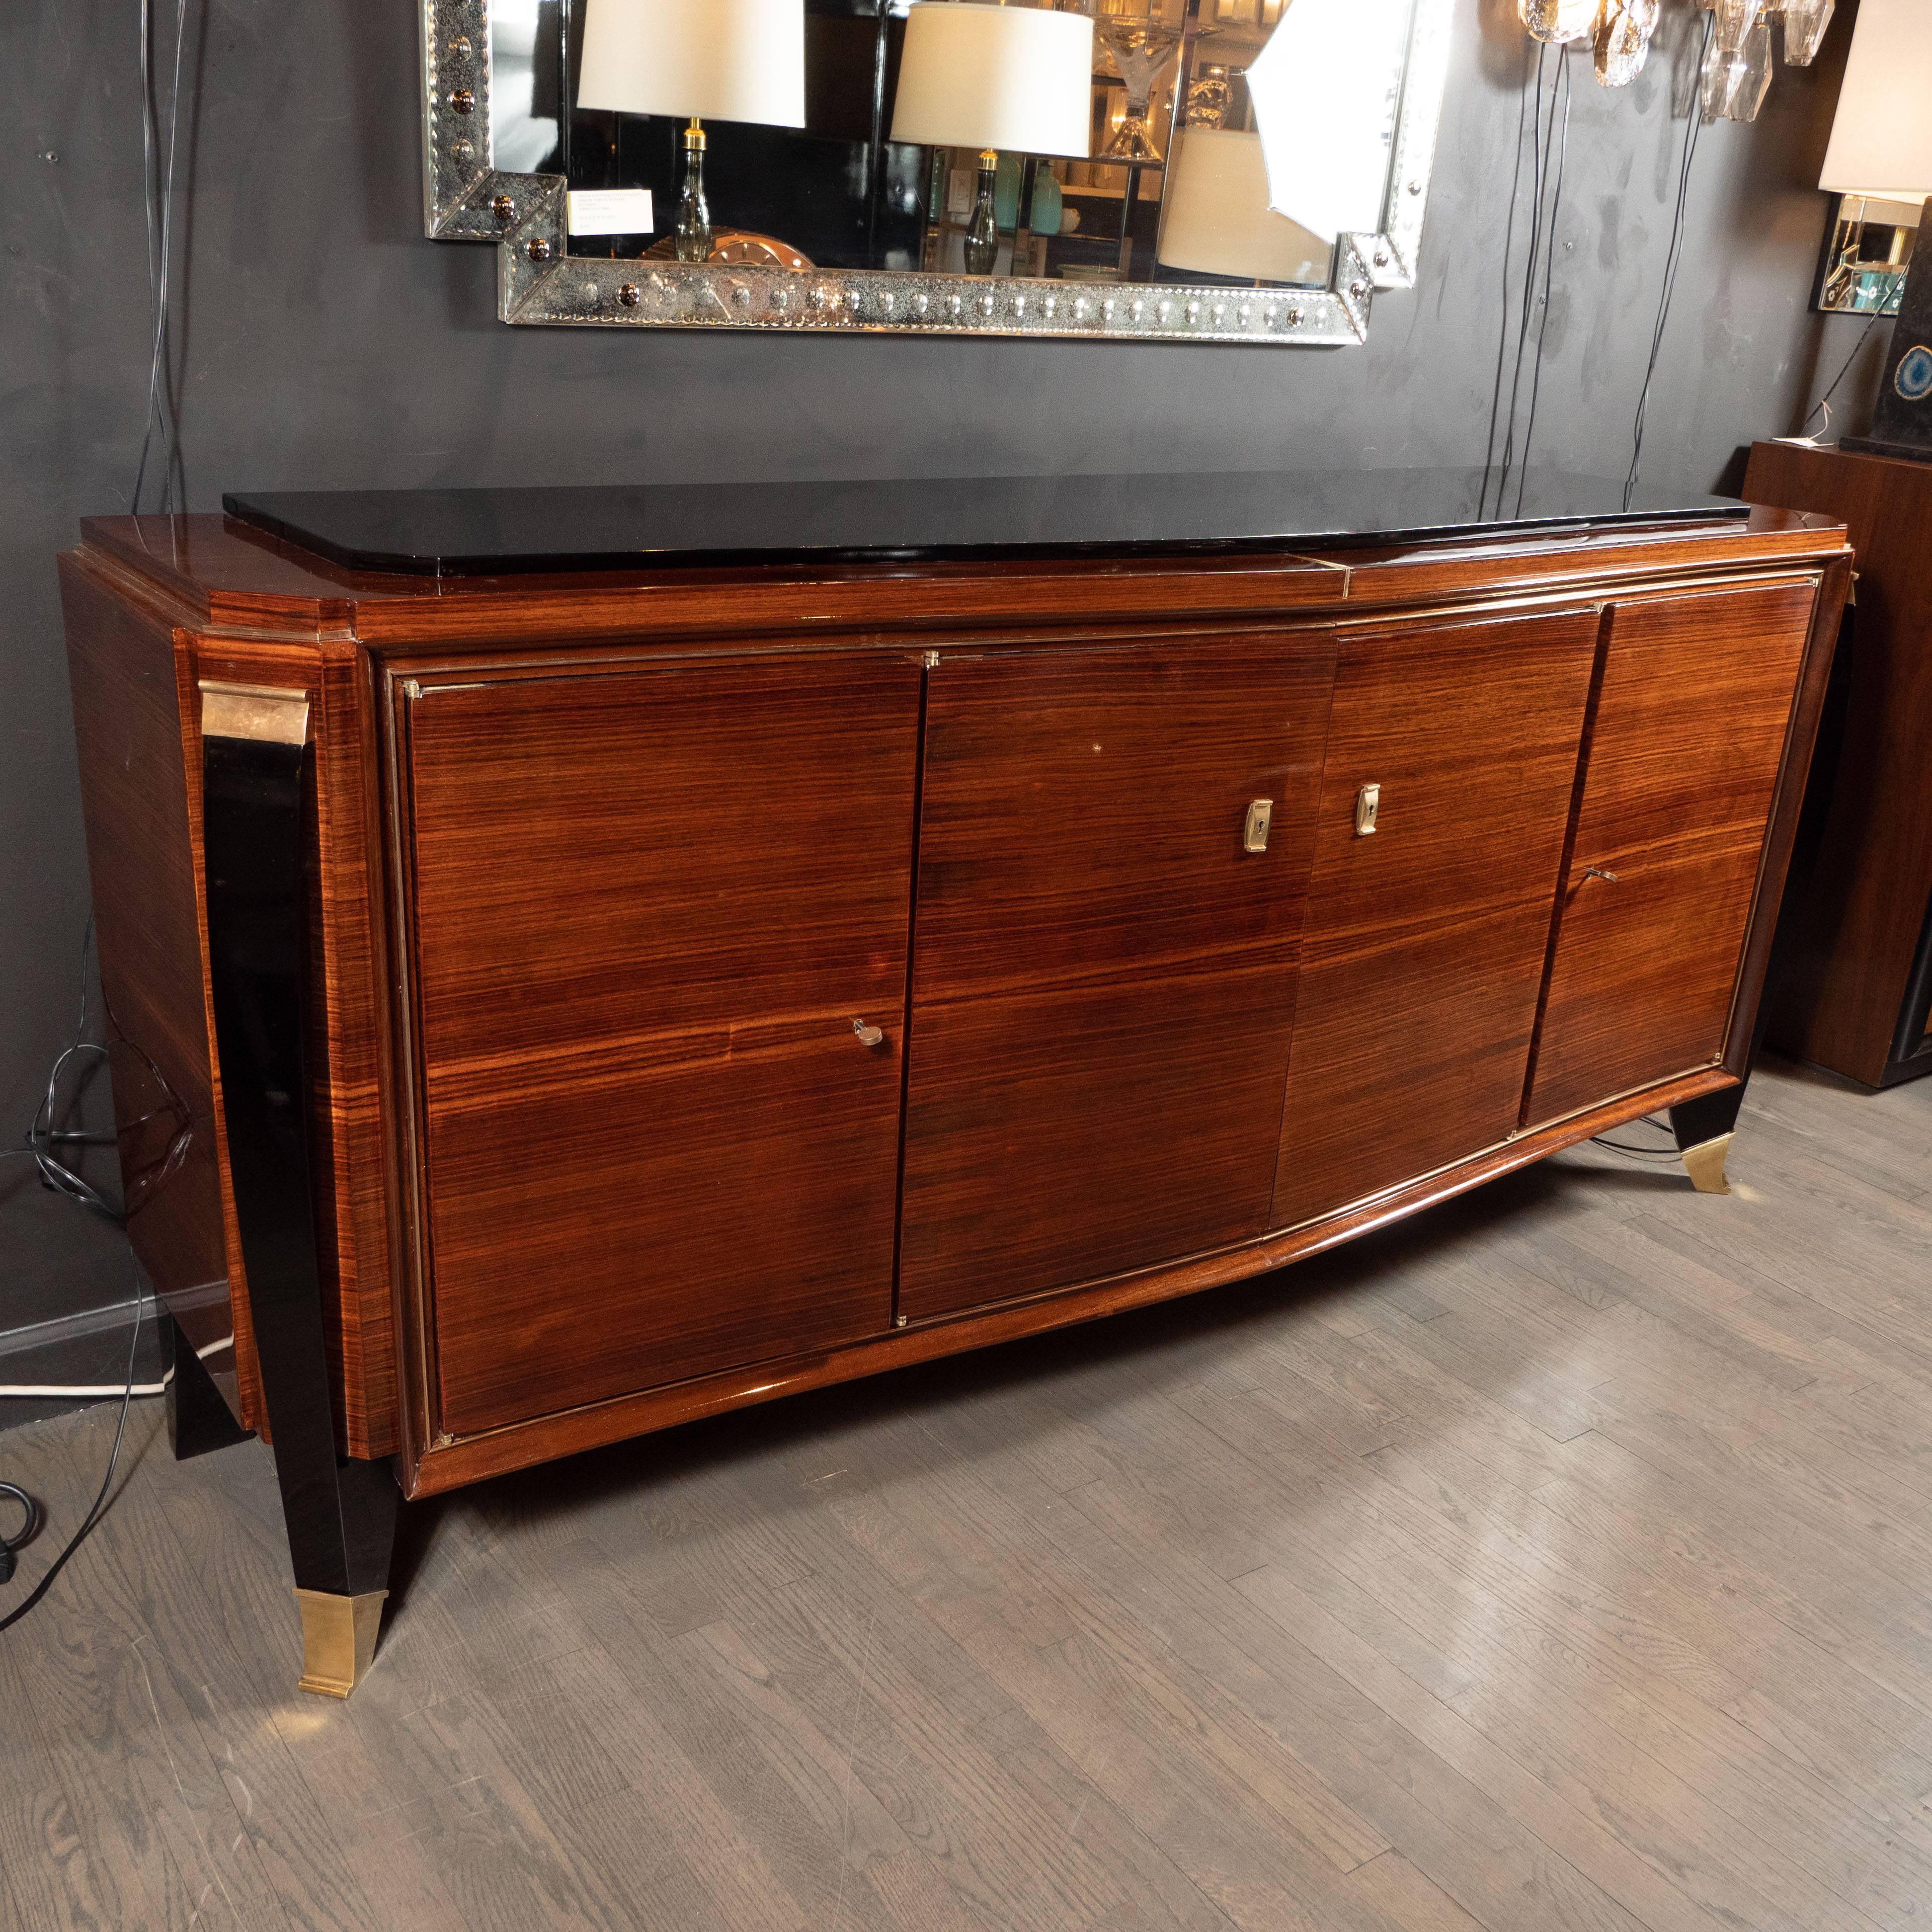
(715, 60)
(1881, 150)
(989, 77)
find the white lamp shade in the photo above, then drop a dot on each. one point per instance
(721, 60)
(1218, 221)
(1882, 136)
(1325, 89)
(1018, 78)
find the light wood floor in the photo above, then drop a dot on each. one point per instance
(1564, 1560)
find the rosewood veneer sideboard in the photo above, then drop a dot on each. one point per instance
(1856, 986)
(579, 961)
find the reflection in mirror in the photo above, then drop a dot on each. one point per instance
(524, 107)
(1200, 121)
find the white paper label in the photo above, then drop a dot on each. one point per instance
(611, 210)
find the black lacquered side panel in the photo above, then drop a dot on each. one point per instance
(340, 1513)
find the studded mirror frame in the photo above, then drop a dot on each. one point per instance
(466, 198)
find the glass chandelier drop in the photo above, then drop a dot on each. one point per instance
(1738, 66)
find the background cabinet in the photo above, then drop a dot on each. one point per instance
(646, 909)
(1104, 979)
(1427, 938)
(1855, 991)
(1686, 744)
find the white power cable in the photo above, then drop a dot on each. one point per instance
(26, 1392)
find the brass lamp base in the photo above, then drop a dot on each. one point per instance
(338, 1640)
(1705, 1164)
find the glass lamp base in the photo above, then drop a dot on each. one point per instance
(1132, 140)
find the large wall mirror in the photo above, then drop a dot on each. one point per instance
(1221, 170)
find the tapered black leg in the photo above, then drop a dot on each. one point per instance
(340, 1513)
(1703, 1127)
(199, 1418)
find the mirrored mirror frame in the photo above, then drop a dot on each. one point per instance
(465, 198)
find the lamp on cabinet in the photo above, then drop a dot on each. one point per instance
(1881, 150)
(713, 60)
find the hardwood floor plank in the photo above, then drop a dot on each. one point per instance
(1558, 1561)
(1400, 1891)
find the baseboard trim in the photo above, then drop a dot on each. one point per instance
(34, 1335)
(30, 1338)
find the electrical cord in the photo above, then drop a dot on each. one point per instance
(1564, 70)
(1673, 255)
(158, 185)
(1529, 313)
(1664, 1153)
(1526, 307)
(1824, 402)
(94, 1514)
(43, 1136)
(1539, 175)
(1502, 336)
(11, 1546)
(57, 1392)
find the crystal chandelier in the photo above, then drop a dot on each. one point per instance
(1737, 66)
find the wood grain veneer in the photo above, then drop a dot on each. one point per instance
(1105, 980)
(478, 1457)
(646, 911)
(1676, 805)
(597, 1147)
(1426, 938)
(136, 804)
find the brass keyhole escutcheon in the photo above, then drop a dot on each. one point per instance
(1368, 803)
(1260, 820)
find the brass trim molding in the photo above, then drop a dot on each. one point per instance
(1705, 1164)
(338, 1640)
(271, 714)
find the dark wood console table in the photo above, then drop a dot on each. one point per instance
(664, 949)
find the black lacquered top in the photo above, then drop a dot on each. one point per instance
(630, 526)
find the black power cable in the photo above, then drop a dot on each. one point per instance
(95, 1512)
(1824, 402)
(45, 1135)
(158, 183)
(1672, 257)
(1528, 313)
(1502, 335)
(1548, 270)
(1526, 307)
(1664, 1153)
(42, 1137)
(9, 1547)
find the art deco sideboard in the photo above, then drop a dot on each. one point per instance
(580, 962)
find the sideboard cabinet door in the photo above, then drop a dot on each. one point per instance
(1684, 752)
(1427, 935)
(1104, 972)
(646, 910)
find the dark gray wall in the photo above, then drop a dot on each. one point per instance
(321, 341)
